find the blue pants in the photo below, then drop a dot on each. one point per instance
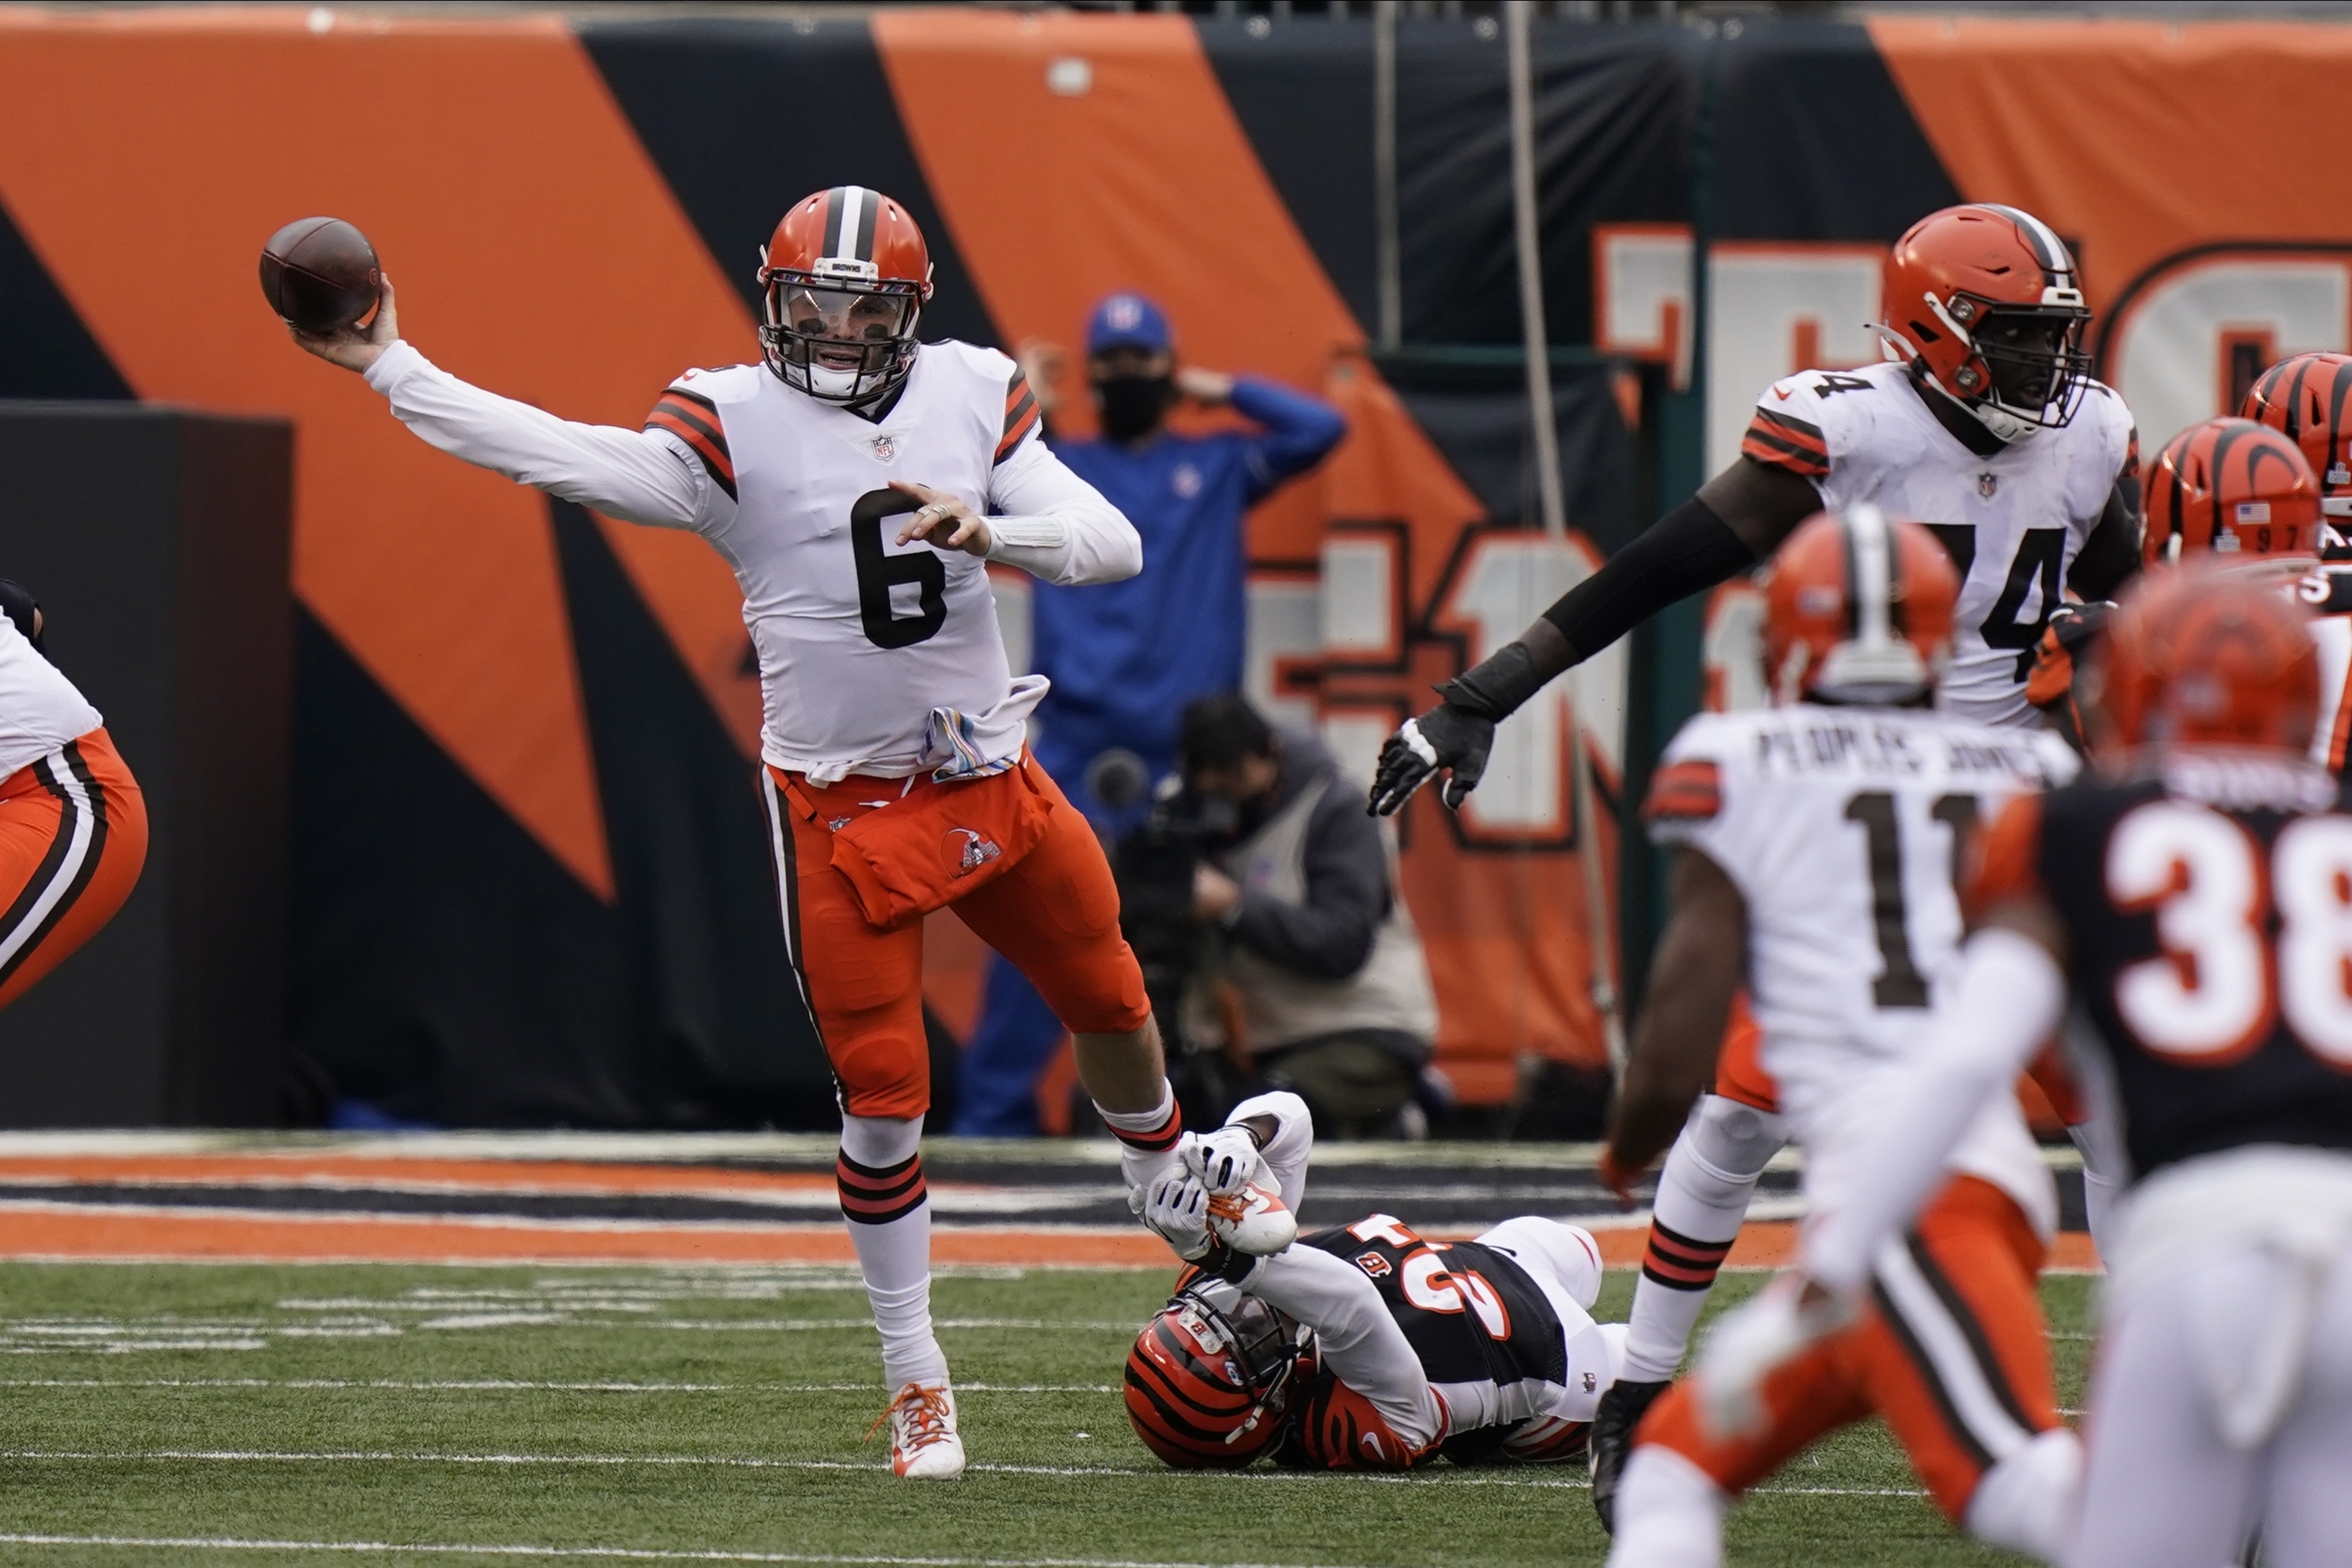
(1017, 1034)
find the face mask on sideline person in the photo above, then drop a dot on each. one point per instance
(1133, 406)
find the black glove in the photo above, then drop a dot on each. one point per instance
(1457, 734)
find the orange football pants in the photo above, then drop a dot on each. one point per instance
(1053, 915)
(73, 834)
(1952, 1353)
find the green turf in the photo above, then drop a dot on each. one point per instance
(108, 1370)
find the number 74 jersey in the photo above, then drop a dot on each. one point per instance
(2013, 520)
(1844, 831)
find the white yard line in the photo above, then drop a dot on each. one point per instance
(625, 1553)
(750, 1462)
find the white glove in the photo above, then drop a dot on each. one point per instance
(1226, 1161)
(1176, 1209)
(1752, 1342)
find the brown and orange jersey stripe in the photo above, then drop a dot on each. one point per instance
(1785, 442)
(694, 419)
(1021, 414)
(1684, 791)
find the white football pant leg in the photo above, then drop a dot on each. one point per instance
(2308, 1511)
(1669, 1513)
(1702, 1194)
(1564, 1254)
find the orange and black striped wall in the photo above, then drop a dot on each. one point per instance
(527, 885)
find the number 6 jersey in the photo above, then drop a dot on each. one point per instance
(874, 657)
(2014, 519)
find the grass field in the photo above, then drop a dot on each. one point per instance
(287, 1415)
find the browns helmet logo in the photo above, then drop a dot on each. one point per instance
(967, 851)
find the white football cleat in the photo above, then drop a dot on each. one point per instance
(1252, 1221)
(923, 1442)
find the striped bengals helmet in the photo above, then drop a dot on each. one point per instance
(1858, 611)
(1208, 1388)
(2205, 656)
(843, 283)
(2230, 488)
(1985, 303)
(2308, 398)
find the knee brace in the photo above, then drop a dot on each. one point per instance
(1731, 1142)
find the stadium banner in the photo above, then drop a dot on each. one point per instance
(528, 868)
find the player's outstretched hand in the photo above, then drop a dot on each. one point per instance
(1176, 1209)
(942, 520)
(1752, 1342)
(1225, 1160)
(1449, 739)
(356, 348)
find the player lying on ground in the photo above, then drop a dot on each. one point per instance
(858, 482)
(1364, 1347)
(73, 824)
(2192, 903)
(1816, 844)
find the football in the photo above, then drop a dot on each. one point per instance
(319, 275)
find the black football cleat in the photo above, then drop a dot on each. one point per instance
(1623, 1405)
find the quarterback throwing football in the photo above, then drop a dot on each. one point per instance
(857, 483)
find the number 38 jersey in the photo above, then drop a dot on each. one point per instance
(2208, 908)
(860, 639)
(2014, 520)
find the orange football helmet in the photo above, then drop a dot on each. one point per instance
(2230, 488)
(1984, 304)
(2308, 398)
(2202, 656)
(1858, 610)
(843, 282)
(1210, 1389)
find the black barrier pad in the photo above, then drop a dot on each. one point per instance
(746, 117)
(721, 1033)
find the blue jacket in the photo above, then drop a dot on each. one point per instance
(1125, 657)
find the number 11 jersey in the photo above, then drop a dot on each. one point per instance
(2013, 520)
(859, 639)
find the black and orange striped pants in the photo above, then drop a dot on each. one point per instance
(73, 836)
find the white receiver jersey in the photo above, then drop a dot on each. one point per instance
(859, 639)
(1842, 830)
(2328, 593)
(40, 710)
(2014, 521)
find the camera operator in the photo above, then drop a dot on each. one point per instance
(1331, 990)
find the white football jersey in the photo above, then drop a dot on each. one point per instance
(2014, 520)
(874, 656)
(40, 710)
(2328, 593)
(1842, 830)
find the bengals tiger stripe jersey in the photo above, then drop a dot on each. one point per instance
(2207, 900)
(2013, 520)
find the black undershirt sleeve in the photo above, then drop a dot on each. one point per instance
(1688, 549)
(2111, 554)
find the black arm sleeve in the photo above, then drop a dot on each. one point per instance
(2110, 556)
(1688, 549)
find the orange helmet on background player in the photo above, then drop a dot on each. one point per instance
(1984, 304)
(1209, 1389)
(1858, 611)
(2308, 398)
(2231, 488)
(2205, 656)
(843, 282)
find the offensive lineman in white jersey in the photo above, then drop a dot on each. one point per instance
(1817, 844)
(897, 778)
(1985, 425)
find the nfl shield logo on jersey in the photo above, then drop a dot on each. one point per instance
(884, 447)
(1987, 484)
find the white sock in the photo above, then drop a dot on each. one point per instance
(887, 1205)
(1147, 1139)
(1703, 1195)
(1669, 1513)
(2026, 1503)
